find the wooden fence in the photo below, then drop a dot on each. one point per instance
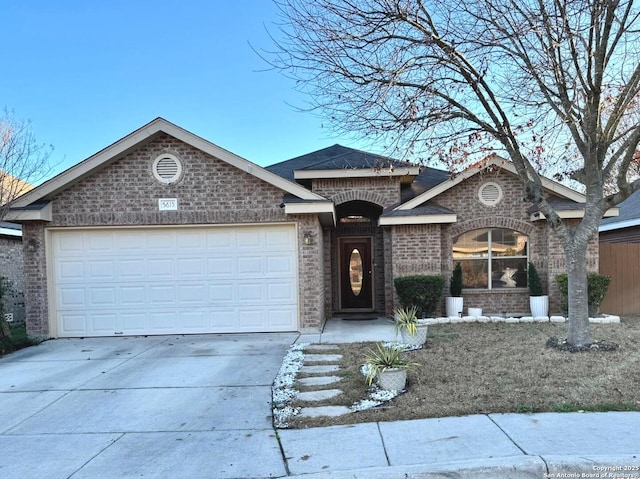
(621, 261)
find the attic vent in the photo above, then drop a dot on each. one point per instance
(490, 194)
(167, 168)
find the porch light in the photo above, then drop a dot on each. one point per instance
(308, 239)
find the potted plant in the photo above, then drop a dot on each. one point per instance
(455, 302)
(388, 366)
(538, 301)
(411, 329)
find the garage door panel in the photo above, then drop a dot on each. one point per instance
(248, 239)
(280, 319)
(103, 323)
(73, 324)
(175, 280)
(193, 294)
(69, 245)
(133, 323)
(128, 268)
(222, 294)
(278, 264)
(195, 320)
(251, 292)
(279, 240)
(281, 292)
(249, 266)
(162, 321)
(103, 270)
(160, 268)
(69, 297)
(96, 245)
(218, 268)
(219, 240)
(161, 242)
(191, 268)
(70, 270)
(102, 297)
(162, 294)
(131, 296)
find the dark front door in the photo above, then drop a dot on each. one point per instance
(356, 289)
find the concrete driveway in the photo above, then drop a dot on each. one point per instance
(169, 406)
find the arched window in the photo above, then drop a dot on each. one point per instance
(492, 258)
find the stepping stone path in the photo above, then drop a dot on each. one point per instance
(321, 373)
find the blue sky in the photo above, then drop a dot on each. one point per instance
(88, 72)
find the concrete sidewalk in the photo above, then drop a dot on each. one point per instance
(497, 445)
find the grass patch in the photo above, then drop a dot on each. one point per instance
(479, 368)
(17, 340)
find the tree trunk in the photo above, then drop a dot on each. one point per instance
(578, 331)
(5, 331)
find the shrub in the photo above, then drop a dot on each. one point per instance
(533, 281)
(455, 287)
(420, 291)
(597, 286)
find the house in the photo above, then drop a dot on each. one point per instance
(624, 228)
(11, 271)
(164, 232)
(620, 258)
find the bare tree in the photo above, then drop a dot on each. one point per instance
(23, 161)
(552, 84)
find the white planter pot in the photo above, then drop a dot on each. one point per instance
(417, 339)
(539, 306)
(393, 379)
(475, 312)
(454, 306)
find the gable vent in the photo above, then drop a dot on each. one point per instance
(490, 194)
(167, 168)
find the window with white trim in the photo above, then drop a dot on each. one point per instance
(492, 258)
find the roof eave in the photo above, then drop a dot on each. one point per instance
(356, 173)
(417, 219)
(325, 210)
(571, 214)
(20, 214)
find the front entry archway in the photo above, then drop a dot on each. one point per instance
(357, 259)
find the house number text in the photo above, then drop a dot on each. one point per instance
(168, 204)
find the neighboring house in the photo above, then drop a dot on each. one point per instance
(164, 232)
(620, 258)
(11, 270)
(624, 228)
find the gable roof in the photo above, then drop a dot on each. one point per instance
(629, 214)
(133, 141)
(493, 160)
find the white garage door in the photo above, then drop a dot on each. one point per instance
(174, 280)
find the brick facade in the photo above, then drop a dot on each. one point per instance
(411, 247)
(12, 272)
(124, 192)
